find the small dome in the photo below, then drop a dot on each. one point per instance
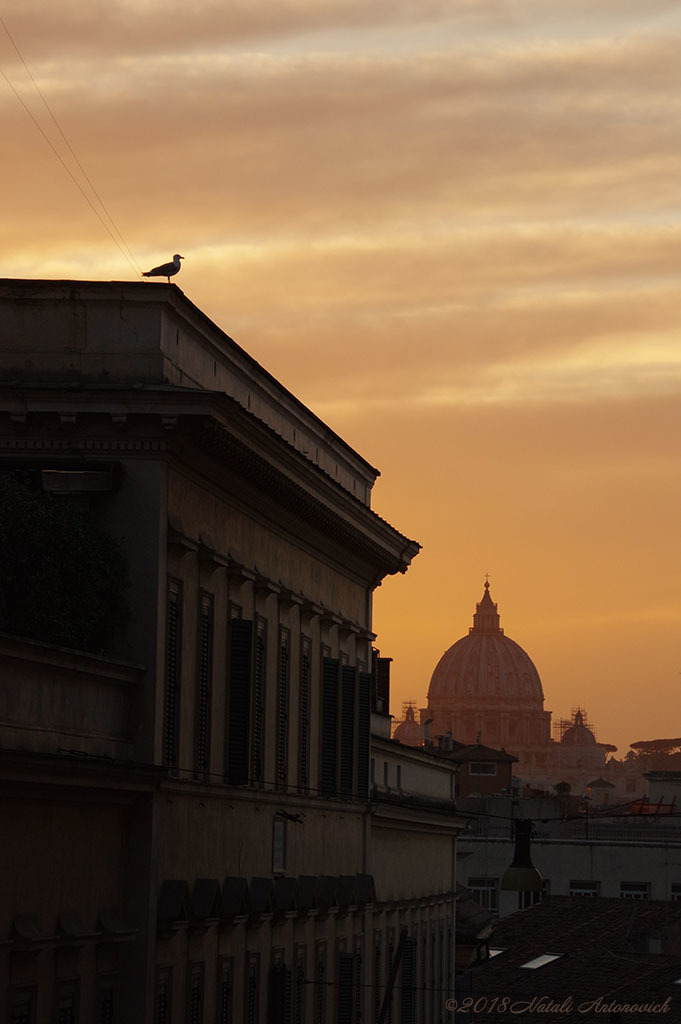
(409, 731)
(578, 735)
(486, 665)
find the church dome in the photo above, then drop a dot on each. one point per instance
(486, 665)
(409, 731)
(578, 735)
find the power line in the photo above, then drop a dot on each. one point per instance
(114, 234)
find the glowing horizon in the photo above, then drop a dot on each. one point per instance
(452, 230)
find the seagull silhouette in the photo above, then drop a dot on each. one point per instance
(166, 269)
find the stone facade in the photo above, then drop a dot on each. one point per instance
(193, 836)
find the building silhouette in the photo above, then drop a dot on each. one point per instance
(191, 830)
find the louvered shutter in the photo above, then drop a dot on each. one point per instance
(363, 734)
(280, 995)
(304, 707)
(347, 758)
(408, 983)
(329, 726)
(238, 726)
(171, 702)
(281, 753)
(203, 686)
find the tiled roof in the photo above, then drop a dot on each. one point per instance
(607, 957)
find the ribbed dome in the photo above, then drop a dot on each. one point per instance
(578, 735)
(486, 665)
(409, 731)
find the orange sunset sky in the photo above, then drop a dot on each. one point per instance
(453, 229)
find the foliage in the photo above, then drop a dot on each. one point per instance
(61, 580)
(657, 746)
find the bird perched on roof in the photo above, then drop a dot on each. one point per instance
(166, 269)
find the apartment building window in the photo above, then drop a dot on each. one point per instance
(304, 713)
(164, 994)
(252, 986)
(279, 845)
(634, 890)
(486, 891)
(320, 984)
(581, 888)
(482, 768)
(528, 899)
(329, 730)
(225, 990)
(300, 987)
(676, 891)
(239, 704)
(67, 1002)
(283, 680)
(195, 1007)
(349, 988)
(173, 669)
(348, 731)
(363, 734)
(408, 979)
(107, 991)
(385, 774)
(259, 678)
(204, 687)
(22, 1005)
(398, 776)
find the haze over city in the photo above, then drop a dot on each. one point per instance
(452, 229)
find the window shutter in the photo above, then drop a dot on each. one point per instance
(304, 704)
(238, 726)
(363, 734)
(282, 708)
(259, 679)
(329, 726)
(347, 767)
(346, 978)
(171, 704)
(203, 686)
(408, 983)
(280, 994)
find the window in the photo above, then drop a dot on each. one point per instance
(329, 758)
(67, 1002)
(373, 771)
(398, 781)
(676, 891)
(195, 1007)
(486, 891)
(385, 774)
(578, 888)
(239, 704)
(348, 730)
(541, 961)
(529, 898)
(203, 687)
(252, 978)
(106, 999)
(299, 988)
(482, 768)
(320, 984)
(225, 988)
(281, 750)
(164, 991)
(258, 724)
(279, 845)
(304, 713)
(634, 890)
(22, 1005)
(171, 704)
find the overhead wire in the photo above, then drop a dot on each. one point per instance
(111, 227)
